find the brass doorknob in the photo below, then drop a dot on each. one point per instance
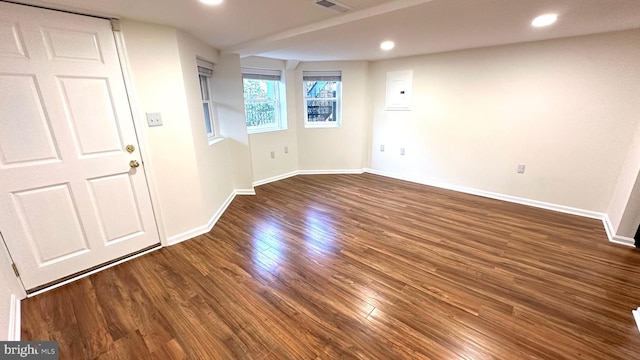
(134, 163)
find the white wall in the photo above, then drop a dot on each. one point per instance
(264, 167)
(315, 149)
(229, 103)
(190, 179)
(624, 208)
(631, 217)
(155, 69)
(215, 165)
(567, 109)
(346, 147)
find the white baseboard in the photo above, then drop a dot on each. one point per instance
(623, 240)
(275, 178)
(251, 191)
(328, 172)
(636, 317)
(307, 172)
(611, 233)
(14, 319)
(190, 234)
(608, 227)
(175, 239)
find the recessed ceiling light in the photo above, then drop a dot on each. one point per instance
(211, 2)
(387, 45)
(544, 20)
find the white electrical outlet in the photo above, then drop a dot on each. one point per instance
(286, 149)
(273, 154)
(154, 119)
(521, 169)
(401, 151)
(381, 147)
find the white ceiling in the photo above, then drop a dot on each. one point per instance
(301, 30)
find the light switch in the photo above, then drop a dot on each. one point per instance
(154, 119)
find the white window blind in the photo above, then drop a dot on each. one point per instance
(204, 67)
(322, 75)
(261, 74)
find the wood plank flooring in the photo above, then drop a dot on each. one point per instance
(359, 267)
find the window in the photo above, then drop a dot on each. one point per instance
(264, 104)
(322, 98)
(205, 70)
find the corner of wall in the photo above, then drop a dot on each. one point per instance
(611, 233)
(175, 239)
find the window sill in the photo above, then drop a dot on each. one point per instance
(264, 130)
(321, 126)
(215, 140)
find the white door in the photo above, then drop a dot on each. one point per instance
(69, 200)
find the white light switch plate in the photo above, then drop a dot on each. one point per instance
(154, 119)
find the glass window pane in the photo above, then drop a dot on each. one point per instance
(207, 118)
(261, 102)
(321, 89)
(261, 113)
(321, 110)
(260, 89)
(204, 87)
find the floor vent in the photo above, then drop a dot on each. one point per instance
(332, 5)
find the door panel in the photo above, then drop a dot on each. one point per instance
(27, 123)
(68, 199)
(120, 218)
(50, 213)
(10, 40)
(67, 45)
(94, 126)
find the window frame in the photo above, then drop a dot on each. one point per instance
(205, 72)
(279, 100)
(334, 76)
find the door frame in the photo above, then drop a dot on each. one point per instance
(17, 291)
(138, 124)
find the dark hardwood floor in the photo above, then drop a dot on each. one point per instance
(359, 266)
